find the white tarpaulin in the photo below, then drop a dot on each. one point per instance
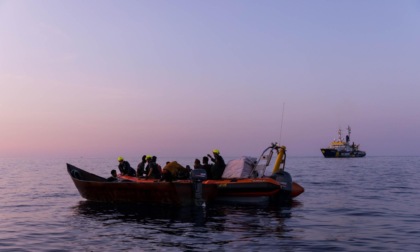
(239, 168)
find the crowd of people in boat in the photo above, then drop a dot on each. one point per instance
(149, 168)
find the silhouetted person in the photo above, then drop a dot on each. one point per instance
(113, 176)
(141, 171)
(206, 166)
(152, 168)
(125, 168)
(197, 164)
(154, 158)
(219, 164)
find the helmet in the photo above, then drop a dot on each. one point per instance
(120, 159)
(216, 151)
(148, 157)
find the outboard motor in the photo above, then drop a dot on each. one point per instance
(197, 177)
(281, 176)
(285, 181)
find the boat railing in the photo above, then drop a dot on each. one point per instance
(264, 161)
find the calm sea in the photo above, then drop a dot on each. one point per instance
(365, 204)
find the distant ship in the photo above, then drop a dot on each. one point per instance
(342, 149)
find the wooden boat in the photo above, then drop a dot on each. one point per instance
(152, 192)
(246, 182)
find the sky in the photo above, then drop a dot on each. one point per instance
(104, 78)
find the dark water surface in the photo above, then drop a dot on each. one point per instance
(365, 204)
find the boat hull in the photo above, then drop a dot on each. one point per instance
(152, 192)
(333, 153)
(255, 190)
(278, 188)
(245, 187)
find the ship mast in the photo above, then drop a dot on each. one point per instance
(348, 134)
(339, 135)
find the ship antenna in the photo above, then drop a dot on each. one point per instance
(281, 125)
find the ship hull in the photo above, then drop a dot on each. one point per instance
(333, 153)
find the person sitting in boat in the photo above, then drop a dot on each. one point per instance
(197, 164)
(154, 158)
(219, 165)
(141, 167)
(125, 167)
(113, 176)
(186, 174)
(152, 168)
(173, 170)
(206, 166)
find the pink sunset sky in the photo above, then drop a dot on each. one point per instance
(180, 78)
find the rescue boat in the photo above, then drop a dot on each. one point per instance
(148, 191)
(244, 180)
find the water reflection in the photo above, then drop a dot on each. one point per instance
(213, 217)
(260, 221)
(140, 213)
(215, 227)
